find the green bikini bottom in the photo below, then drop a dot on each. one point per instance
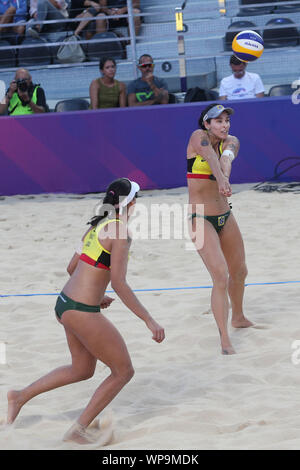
(64, 303)
(218, 221)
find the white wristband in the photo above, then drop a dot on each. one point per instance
(229, 154)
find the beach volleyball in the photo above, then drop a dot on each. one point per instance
(248, 46)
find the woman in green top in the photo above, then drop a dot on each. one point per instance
(106, 92)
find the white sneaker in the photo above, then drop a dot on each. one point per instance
(33, 32)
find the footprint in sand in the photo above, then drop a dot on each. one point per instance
(98, 435)
(260, 327)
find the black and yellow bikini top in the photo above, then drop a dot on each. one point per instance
(197, 167)
(92, 251)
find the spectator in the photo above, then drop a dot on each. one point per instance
(15, 12)
(23, 97)
(119, 7)
(148, 89)
(106, 92)
(241, 84)
(44, 10)
(79, 7)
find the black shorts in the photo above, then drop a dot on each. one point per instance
(117, 23)
(93, 11)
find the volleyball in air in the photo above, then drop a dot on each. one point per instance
(248, 46)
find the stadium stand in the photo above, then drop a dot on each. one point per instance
(34, 51)
(235, 28)
(259, 8)
(75, 104)
(281, 90)
(7, 55)
(287, 6)
(208, 26)
(283, 33)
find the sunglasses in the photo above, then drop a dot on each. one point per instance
(144, 66)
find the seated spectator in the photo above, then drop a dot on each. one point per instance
(23, 97)
(119, 7)
(148, 89)
(106, 92)
(15, 12)
(88, 9)
(241, 84)
(44, 10)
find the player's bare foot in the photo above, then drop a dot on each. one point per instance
(78, 434)
(241, 322)
(228, 350)
(226, 347)
(15, 403)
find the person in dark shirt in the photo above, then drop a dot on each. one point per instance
(23, 96)
(147, 89)
(119, 7)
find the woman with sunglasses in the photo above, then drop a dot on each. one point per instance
(90, 335)
(210, 153)
(148, 89)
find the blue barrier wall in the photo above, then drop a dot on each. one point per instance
(83, 152)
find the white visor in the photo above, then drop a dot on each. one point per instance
(134, 189)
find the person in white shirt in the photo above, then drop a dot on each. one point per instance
(241, 84)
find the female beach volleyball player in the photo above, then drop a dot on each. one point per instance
(210, 153)
(90, 335)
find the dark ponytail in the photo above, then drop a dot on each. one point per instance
(115, 191)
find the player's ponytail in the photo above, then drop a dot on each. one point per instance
(116, 192)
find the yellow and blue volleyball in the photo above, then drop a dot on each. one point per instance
(248, 46)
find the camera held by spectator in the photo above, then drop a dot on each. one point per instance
(22, 84)
(23, 96)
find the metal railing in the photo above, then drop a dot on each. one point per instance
(131, 38)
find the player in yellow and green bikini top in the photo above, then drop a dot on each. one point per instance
(92, 251)
(197, 167)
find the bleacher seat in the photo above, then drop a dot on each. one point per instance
(75, 104)
(7, 56)
(234, 29)
(283, 8)
(200, 94)
(257, 9)
(96, 50)
(172, 98)
(281, 37)
(281, 90)
(35, 52)
(209, 33)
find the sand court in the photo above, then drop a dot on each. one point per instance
(185, 394)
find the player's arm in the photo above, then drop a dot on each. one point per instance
(230, 151)
(202, 146)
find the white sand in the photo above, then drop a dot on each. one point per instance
(185, 394)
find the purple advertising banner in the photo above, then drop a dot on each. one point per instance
(82, 152)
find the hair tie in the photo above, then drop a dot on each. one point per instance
(112, 192)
